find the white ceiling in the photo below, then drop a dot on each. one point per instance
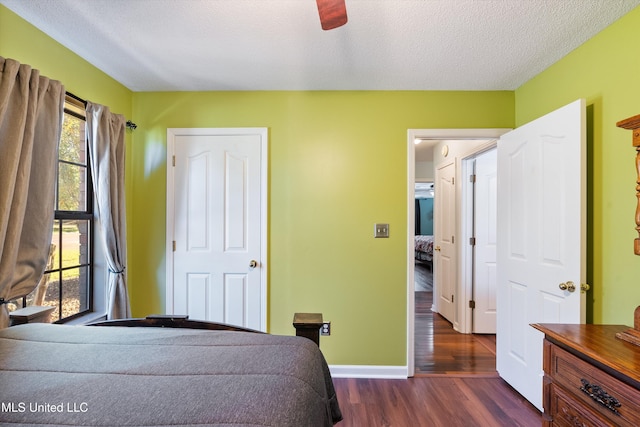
(193, 45)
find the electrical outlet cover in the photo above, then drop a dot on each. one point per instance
(325, 329)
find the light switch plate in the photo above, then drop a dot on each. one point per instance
(381, 230)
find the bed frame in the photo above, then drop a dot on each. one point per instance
(172, 321)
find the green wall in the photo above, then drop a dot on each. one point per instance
(605, 71)
(21, 41)
(337, 165)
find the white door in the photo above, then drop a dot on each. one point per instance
(541, 239)
(444, 241)
(485, 222)
(216, 221)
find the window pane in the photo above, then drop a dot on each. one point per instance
(83, 238)
(70, 245)
(72, 187)
(51, 296)
(46, 291)
(75, 292)
(55, 245)
(72, 140)
(75, 243)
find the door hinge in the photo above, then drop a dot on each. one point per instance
(453, 180)
(452, 299)
(173, 160)
(472, 304)
(472, 178)
(174, 246)
(453, 240)
(472, 241)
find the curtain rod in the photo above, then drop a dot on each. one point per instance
(77, 98)
(130, 125)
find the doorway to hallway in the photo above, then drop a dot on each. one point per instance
(448, 145)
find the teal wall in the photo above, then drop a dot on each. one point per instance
(426, 216)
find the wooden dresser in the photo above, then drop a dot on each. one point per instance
(591, 378)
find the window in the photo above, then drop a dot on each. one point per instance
(70, 272)
(67, 283)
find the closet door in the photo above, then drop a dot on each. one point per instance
(216, 219)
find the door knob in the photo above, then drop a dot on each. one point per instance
(253, 263)
(569, 286)
(437, 248)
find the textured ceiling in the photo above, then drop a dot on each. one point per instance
(189, 45)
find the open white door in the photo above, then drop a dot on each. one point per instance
(541, 240)
(485, 219)
(444, 238)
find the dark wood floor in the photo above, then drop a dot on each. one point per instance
(456, 384)
(439, 349)
(445, 401)
(423, 273)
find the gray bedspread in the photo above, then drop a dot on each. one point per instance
(117, 376)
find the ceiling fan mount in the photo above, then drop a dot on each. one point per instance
(333, 13)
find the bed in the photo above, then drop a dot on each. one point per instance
(424, 248)
(141, 376)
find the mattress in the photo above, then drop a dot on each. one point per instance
(119, 376)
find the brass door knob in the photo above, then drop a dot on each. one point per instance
(569, 286)
(437, 248)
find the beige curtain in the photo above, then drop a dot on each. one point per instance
(105, 132)
(31, 112)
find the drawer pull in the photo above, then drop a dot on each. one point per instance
(596, 392)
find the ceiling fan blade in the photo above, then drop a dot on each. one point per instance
(333, 13)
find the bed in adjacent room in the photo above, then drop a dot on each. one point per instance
(135, 376)
(424, 248)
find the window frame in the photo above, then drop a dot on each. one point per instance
(74, 107)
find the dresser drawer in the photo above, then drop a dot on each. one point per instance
(593, 388)
(568, 412)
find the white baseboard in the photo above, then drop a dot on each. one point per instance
(364, 371)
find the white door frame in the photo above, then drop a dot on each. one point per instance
(437, 134)
(171, 135)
